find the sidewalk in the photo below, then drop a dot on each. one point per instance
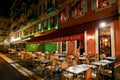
(13, 60)
(33, 69)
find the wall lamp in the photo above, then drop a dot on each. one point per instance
(103, 24)
(90, 37)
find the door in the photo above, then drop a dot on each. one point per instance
(104, 37)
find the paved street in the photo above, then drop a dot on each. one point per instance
(7, 72)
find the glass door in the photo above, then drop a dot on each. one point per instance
(105, 45)
(104, 41)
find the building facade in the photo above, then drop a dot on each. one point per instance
(72, 24)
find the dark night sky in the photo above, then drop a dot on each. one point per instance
(5, 6)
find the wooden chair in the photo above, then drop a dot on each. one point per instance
(52, 67)
(76, 58)
(65, 75)
(41, 58)
(112, 73)
(116, 71)
(96, 58)
(102, 56)
(68, 59)
(47, 56)
(87, 75)
(87, 60)
(96, 73)
(52, 57)
(74, 62)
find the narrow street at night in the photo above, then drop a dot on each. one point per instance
(7, 72)
(11, 70)
(59, 39)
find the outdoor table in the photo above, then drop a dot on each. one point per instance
(99, 63)
(110, 58)
(46, 62)
(106, 61)
(81, 59)
(90, 65)
(61, 59)
(71, 56)
(77, 69)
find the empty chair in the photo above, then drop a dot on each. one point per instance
(52, 57)
(113, 74)
(87, 75)
(52, 67)
(68, 59)
(96, 73)
(74, 63)
(65, 75)
(102, 56)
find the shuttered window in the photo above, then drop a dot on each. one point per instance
(63, 15)
(79, 7)
(97, 4)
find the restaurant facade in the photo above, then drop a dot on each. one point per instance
(67, 26)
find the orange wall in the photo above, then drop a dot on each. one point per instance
(58, 47)
(91, 43)
(117, 37)
(71, 47)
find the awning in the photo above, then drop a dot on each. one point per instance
(63, 34)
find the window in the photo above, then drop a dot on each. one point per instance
(45, 25)
(102, 3)
(63, 46)
(53, 21)
(34, 29)
(63, 15)
(55, 3)
(40, 8)
(33, 16)
(97, 4)
(79, 7)
(39, 26)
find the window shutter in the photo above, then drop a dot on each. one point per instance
(112, 1)
(93, 4)
(85, 6)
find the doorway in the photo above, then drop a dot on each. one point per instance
(104, 37)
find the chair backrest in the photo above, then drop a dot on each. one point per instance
(77, 79)
(52, 57)
(47, 56)
(87, 60)
(41, 58)
(64, 65)
(102, 56)
(76, 58)
(74, 63)
(96, 58)
(68, 59)
(88, 74)
(98, 72)
(54, 62)
(116, 71)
